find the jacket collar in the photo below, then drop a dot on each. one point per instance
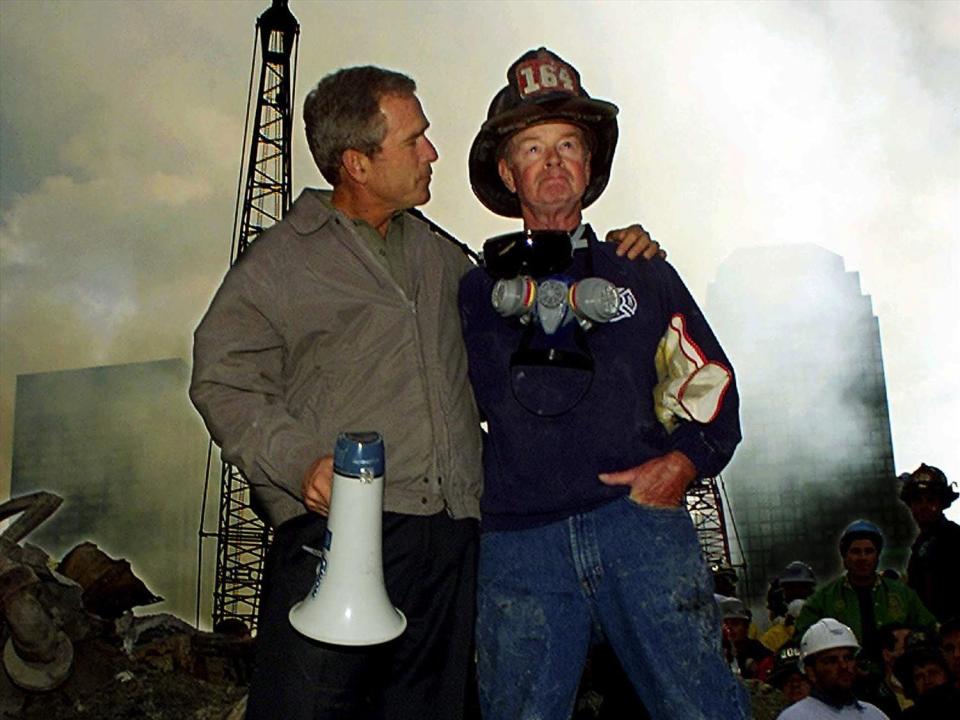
(312, 210)
(877, 581)
(309, 212)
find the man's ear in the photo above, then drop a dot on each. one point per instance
(354, 164)
(506, 175)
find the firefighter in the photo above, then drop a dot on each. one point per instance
(932, 569)
(785, 600)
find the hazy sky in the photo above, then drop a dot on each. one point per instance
(742, 124)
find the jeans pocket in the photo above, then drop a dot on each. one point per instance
(666, 510)
(661, 523)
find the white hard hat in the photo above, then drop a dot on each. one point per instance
(732, 608)
(826, 634)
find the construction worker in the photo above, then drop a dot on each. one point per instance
(724, 579)
(788, 677)
(887, 692)
(797, 581)
(926, 680)
(753, 659)
(949, 637)
(932, 569)
(828, 651)
(785, 600)
(863, 599)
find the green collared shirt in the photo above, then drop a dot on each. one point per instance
(387, 250)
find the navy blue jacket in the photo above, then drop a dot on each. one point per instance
(541, 469)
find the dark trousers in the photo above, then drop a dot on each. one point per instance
(427, 673)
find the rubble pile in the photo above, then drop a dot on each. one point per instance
(72, 647)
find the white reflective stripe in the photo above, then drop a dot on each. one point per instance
(701, 394)
(687, 346)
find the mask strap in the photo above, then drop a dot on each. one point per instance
(544, 357)
(587, 232)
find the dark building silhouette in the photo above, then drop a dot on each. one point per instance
(123, 447)
(817, 451)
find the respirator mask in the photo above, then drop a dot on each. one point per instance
(552, 369)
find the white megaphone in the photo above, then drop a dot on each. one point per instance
(348, 604)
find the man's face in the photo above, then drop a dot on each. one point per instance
(899, 645)
(832, 671)
(796, 591)
(861, 559)
(399, 173)
(735, 629)
(796, 687)
(928, 676)
(925, 508)
(950, 647)
(547, 166)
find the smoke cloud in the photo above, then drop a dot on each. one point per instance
(742, 124)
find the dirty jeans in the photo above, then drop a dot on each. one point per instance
(630, 573)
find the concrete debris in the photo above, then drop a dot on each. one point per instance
(33, 509)
(131, 628)
(766, 702)
(109, 586)
(37, 655)
(73, 649)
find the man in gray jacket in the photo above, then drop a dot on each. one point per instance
(343, 316)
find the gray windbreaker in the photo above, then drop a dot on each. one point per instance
(309, 336)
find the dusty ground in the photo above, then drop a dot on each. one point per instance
(150, 695)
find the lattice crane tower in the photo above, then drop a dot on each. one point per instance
(265, 186)
(705, 504)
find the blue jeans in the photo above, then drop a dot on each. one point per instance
(627, 572)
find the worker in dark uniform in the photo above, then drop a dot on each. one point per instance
(935, 555)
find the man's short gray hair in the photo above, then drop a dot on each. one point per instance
(343, 112)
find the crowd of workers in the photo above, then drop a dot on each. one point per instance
(866, 644)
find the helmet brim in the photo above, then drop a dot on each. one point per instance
(596, 116)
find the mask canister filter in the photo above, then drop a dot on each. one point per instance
(551, 371)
